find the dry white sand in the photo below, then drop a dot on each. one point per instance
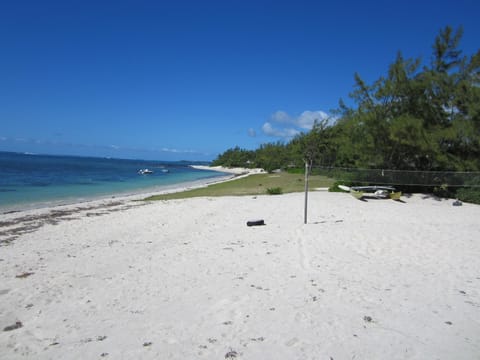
(187, 279)
(230, 170)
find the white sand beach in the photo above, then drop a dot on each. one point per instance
(187, 279)
(237, 171)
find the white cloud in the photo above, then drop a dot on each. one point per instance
(282, 117)
(177, 151)
(307, 118)
(269, 130)
(287, 126)
(252, 132)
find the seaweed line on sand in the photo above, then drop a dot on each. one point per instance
(10, 230)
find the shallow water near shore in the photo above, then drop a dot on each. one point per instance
(29, 180)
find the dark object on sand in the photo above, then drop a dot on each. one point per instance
(15, 326)
(255, 222)
(232, 354)
(24, 275)
(457, 203)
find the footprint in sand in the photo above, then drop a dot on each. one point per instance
(292, 342)
(302, 253)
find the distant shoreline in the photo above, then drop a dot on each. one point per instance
(42, 181)
(230, 174)
(130, 195)
(238, 171)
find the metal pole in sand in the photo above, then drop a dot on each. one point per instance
(306, 193)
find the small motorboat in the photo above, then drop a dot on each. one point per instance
(145, 171)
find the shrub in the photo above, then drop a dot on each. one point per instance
(274, 191)
(471, 195)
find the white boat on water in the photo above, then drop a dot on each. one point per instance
(145, 171)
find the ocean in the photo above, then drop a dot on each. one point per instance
(29, 181)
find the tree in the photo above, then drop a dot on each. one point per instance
(413, 118)
(235, 157)
(272, 156)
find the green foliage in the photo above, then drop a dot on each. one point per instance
(296, 170)
(275, 191)
(235, 157)
(471, 191)
(443, 191)
(471, 195)
(416, 117)
(271, 156)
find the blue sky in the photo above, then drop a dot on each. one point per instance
(174, 80)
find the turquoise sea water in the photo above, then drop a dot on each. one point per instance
(28, 180)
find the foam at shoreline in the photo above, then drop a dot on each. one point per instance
(121, 196)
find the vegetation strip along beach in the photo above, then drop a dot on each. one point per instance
(257, 184)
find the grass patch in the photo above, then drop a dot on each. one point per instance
(257, 184)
